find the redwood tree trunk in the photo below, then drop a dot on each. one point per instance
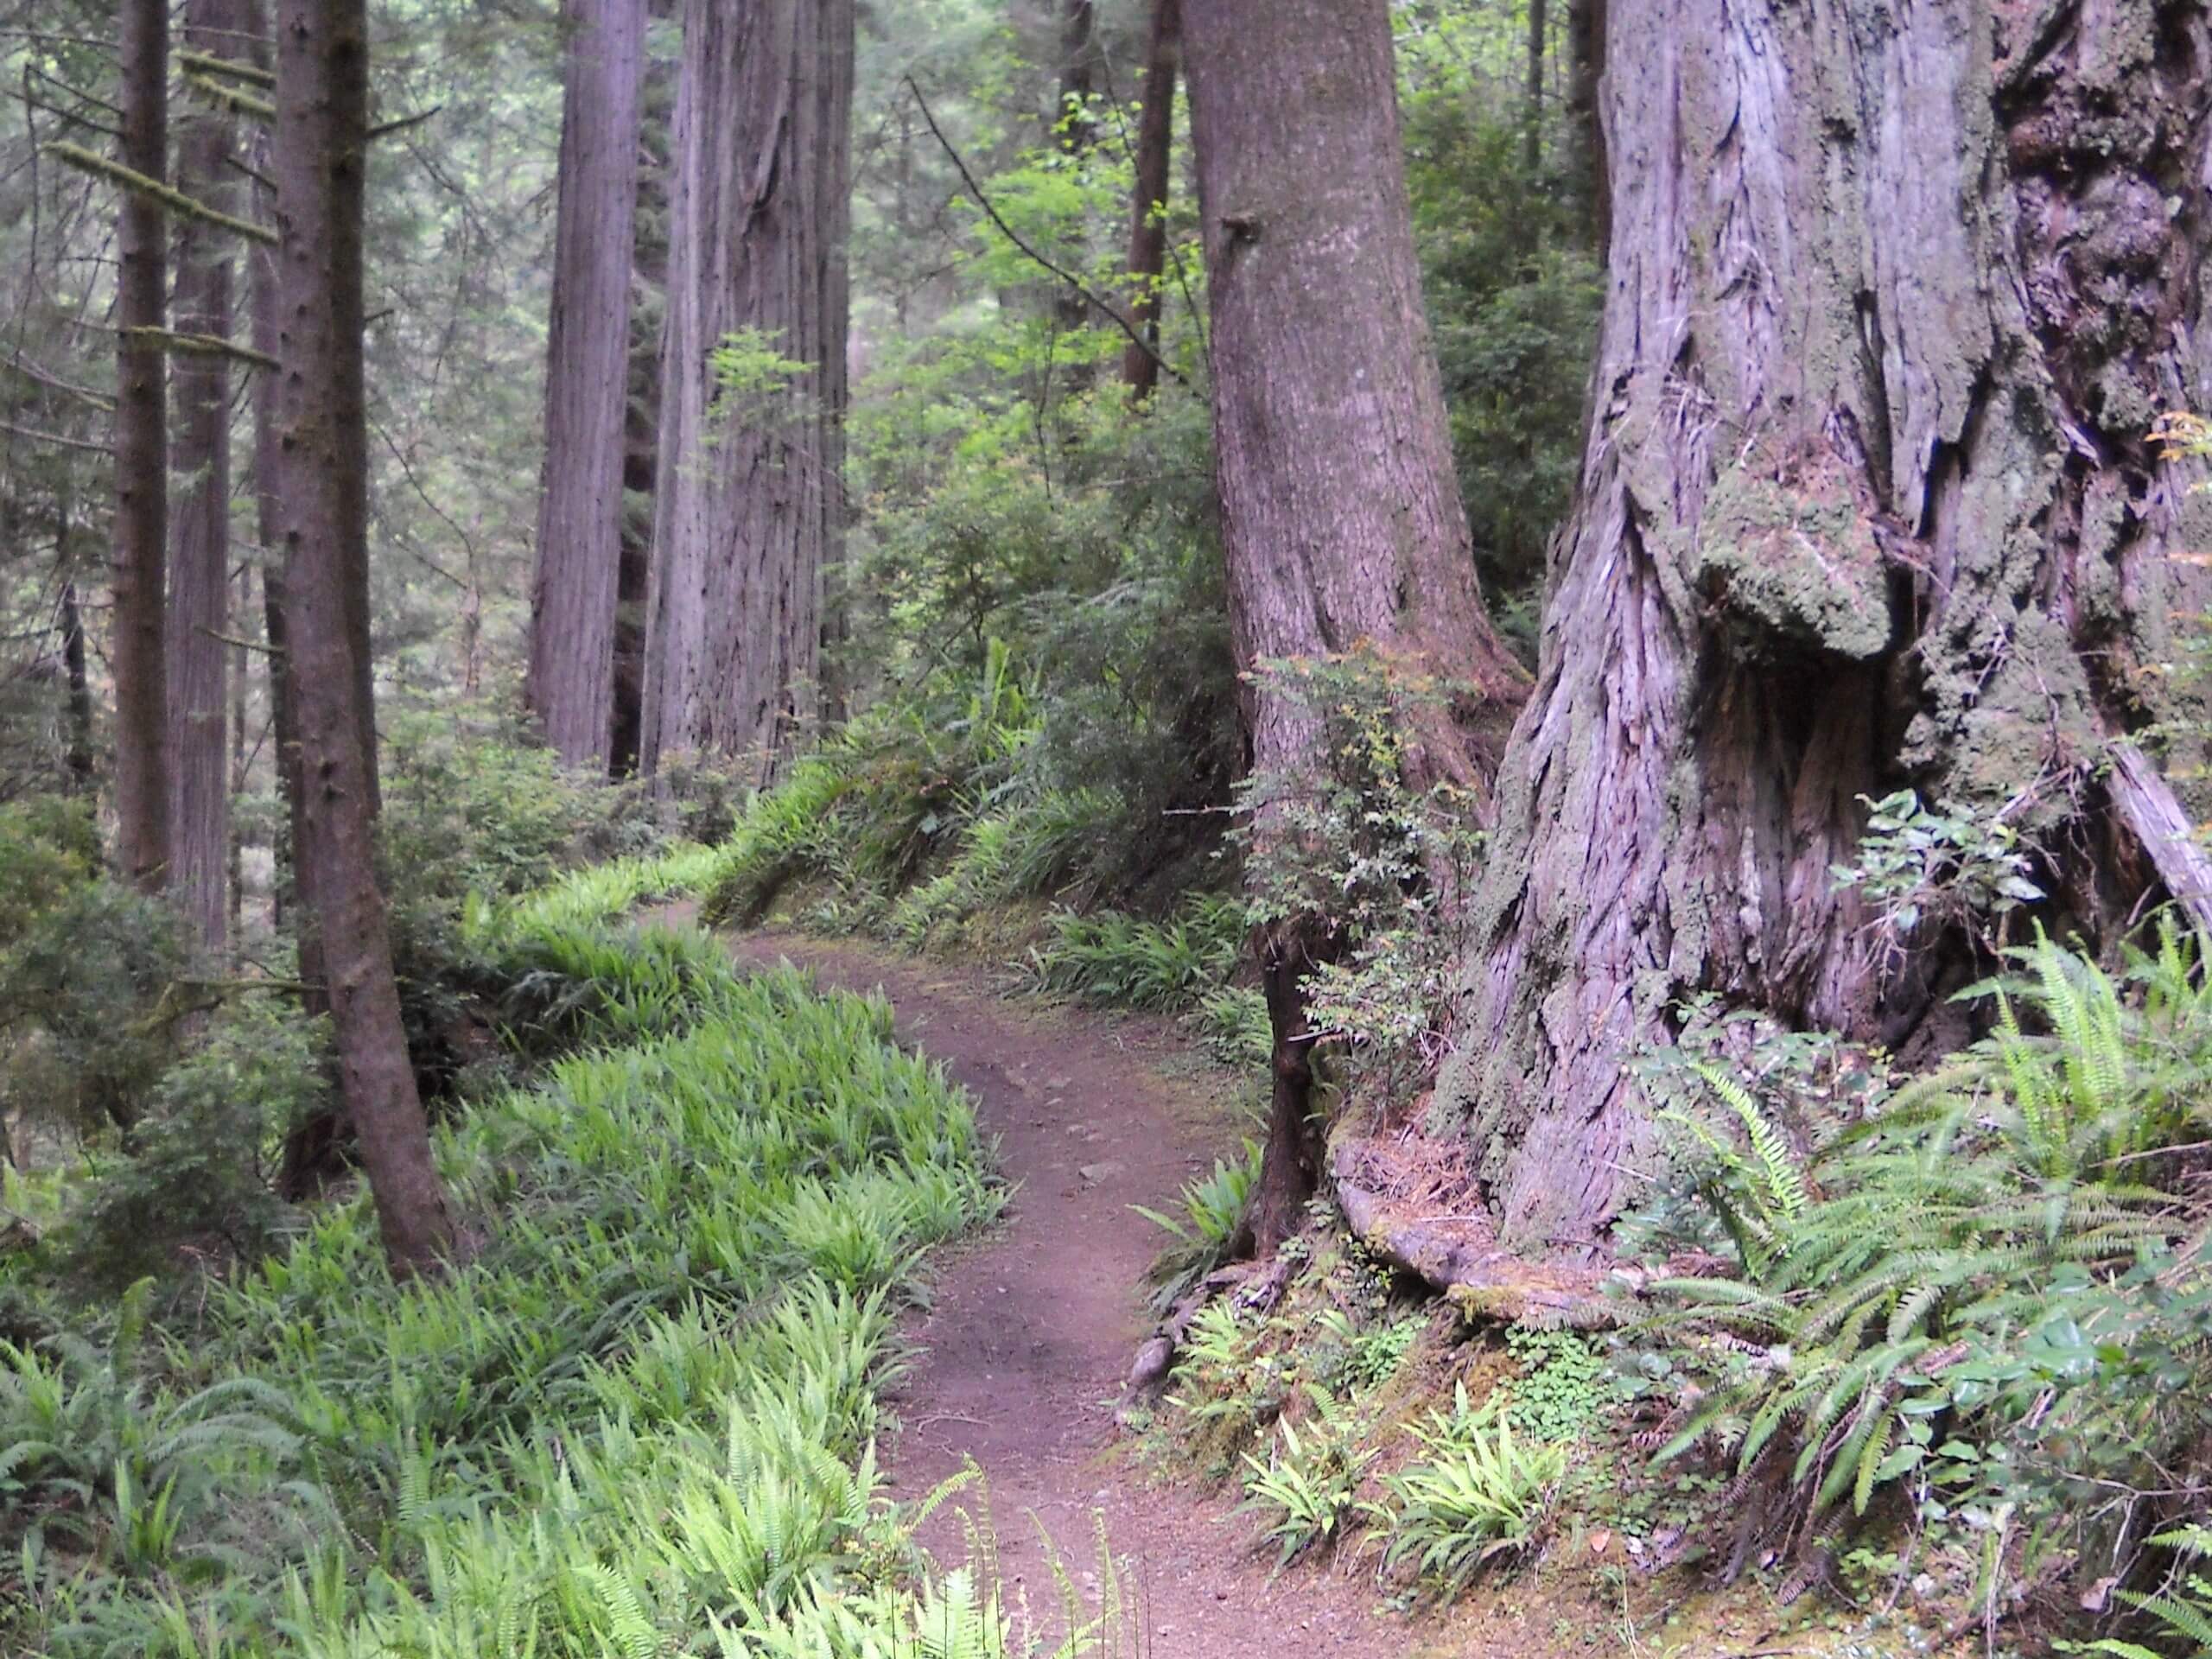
(750, 508)
(1156, 176)
(200, 562)
(78, 755)
(1867, 503)
(1341, 519)
(319, 153)
(139, 656)
(641, 424)
(570, 684)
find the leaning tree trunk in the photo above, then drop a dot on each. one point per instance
(571, 683)
(1867, 503)
(1156, 176)
(139, 656)
(200, 562)
(750, 511)
(1341, 519)
(320, 155)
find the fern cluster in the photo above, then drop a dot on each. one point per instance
(639, 1421)
(1999, 1255)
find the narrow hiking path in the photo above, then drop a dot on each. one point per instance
(1022, 1352)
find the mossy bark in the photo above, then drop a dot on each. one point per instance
(1867, 502)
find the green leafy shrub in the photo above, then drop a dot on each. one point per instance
(1480, 1492)
(1305, 1488)
(1212, 1213)
(1115, 958)
(193, 1181)
(90, 1007)
(1983, 1287)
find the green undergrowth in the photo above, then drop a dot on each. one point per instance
(939, 823)
(638, 1421)
(1895, 1357)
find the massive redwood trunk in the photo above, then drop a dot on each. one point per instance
(570, 684)
(199, 561)
(1867, 502)
(750, 510)
(1341, 519)
(318, 157)
(138, 656)
(1156, 176)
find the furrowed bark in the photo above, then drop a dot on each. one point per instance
(319, 158)
(1341, 520)
(1867, 503)
(200, 559)
(139, 654)
(750, 505)
(570, 683)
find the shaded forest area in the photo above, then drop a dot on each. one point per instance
(1606, 604)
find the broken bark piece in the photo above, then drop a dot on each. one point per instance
(1460, 1257)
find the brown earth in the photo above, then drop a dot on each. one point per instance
(1021, 1355)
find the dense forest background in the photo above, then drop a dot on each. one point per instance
(1604, 603)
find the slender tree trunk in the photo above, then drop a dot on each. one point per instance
(750, 508)
(320, 156)
(641, 424)
(79, 755)
(1155, 177)
(1341, 520)
(1586, 45)
(571, 685)
(200, 559)
(139, 656)
(1532, 113)
(1867, 503)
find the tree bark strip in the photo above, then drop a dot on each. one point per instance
(1341, 520)
(571, 683)
(200, 563)
(320, 162)
(750, 511)
(139, 654)
(1155, 175)
(1867, 503)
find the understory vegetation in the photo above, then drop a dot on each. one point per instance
(643, 1413)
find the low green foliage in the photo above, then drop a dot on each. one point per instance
(1306, 1487)
(1565, 1384)
(1980, 1289)
(1123, 961)
(1212, 1213)
(1481, 1491)
(639, 1417)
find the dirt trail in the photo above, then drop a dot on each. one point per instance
(1031, 1330)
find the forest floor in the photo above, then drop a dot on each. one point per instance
(1021, 1354)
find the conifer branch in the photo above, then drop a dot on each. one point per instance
(176, 201)
(1014, 236)
(231, 98)
(183, 345)
(403, 123)
(207, 63)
